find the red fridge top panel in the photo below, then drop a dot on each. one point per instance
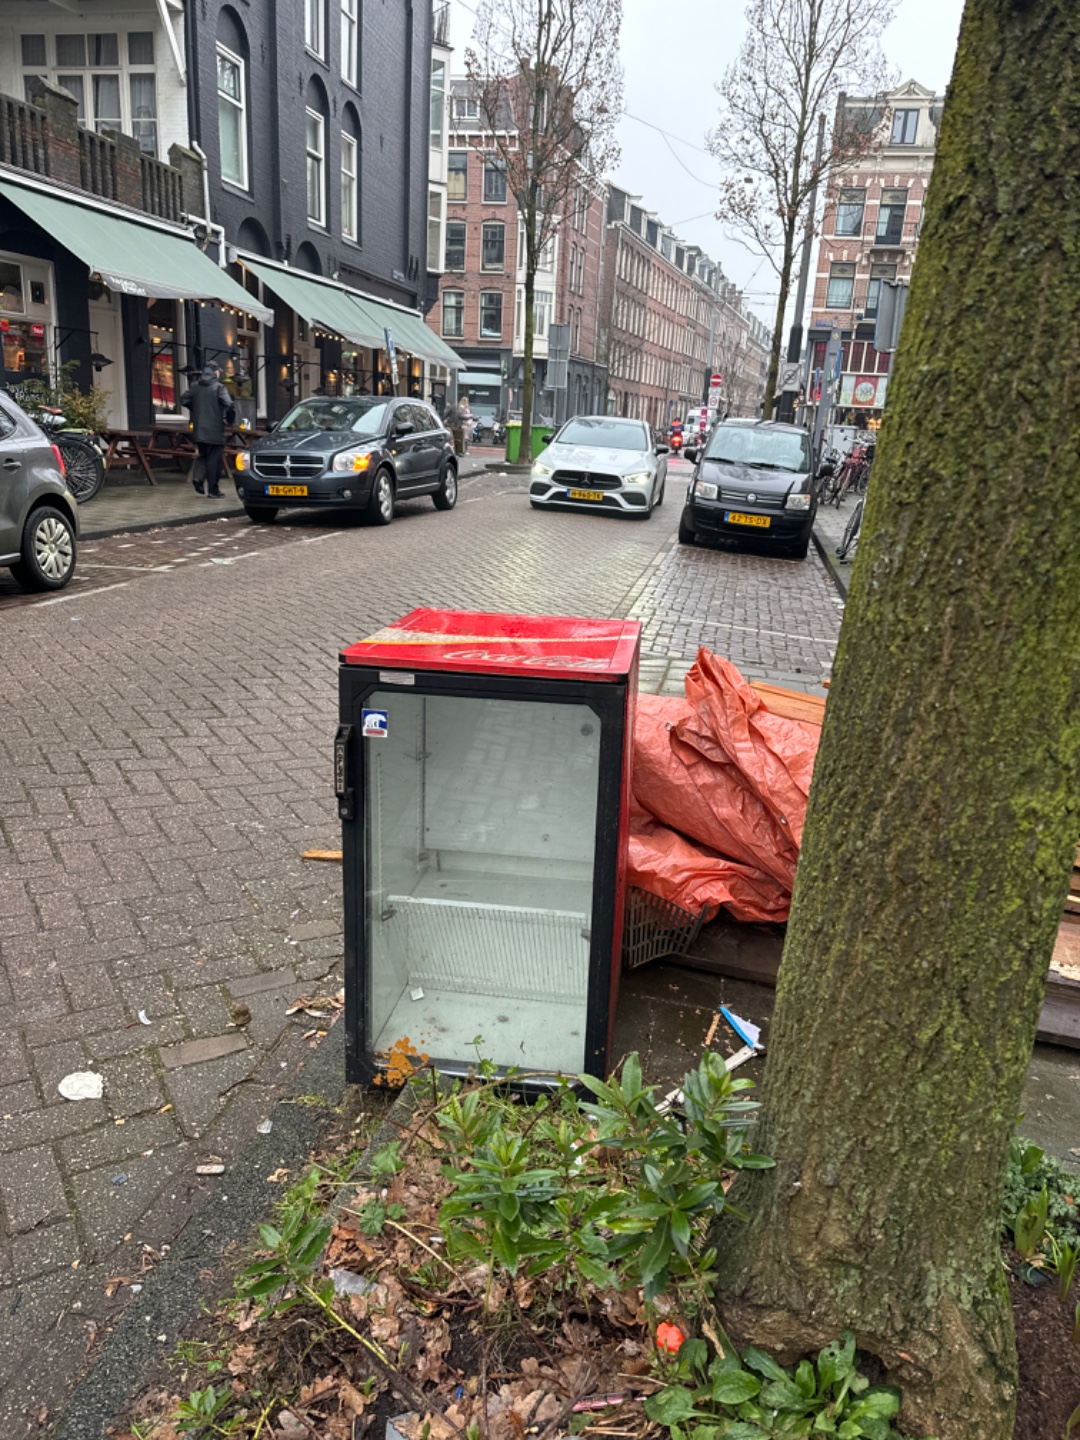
(483, 644)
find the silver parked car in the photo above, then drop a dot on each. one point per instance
(600, 462)
(39, 526)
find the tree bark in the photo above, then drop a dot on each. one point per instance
(944, 813)
(769, 406)
(525, 451)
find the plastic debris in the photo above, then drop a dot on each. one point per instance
(346, 1283)
(264, 1127)
(748, 1033)
(209, 1169)
(669, 1337)
(417, 994)
(120, 1178)
(82, 1085)
(143, 1018)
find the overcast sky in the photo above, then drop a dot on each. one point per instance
(673, 54)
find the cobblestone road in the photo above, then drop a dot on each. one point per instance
(164, 742)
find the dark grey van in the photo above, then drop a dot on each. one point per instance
(39, 527)
(753, 481)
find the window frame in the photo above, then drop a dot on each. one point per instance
(310, 114)
(458, 334)
(349, 142)
(315, 28)
(878, 273)
(122, 70)
(843, 205)
(455, 269)
(847, 277)
(904, 120)
(493, 165)
(350, 43)
(483, 334)
(485, 265)
(890, 209)
(435, 195)
(241, 107)
(437, 97)
(451, 156)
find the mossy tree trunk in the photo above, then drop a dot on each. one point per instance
(944, 814)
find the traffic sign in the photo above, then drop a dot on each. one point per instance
(715, 381)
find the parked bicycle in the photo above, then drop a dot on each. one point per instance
(846, 549)
(82, 452)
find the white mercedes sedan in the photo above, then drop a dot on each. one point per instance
(599, 462)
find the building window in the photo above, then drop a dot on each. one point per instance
(849, 212)
(316, 167)
(350, 42)
(581, 270)
(232, 117)
(905, 124)
(841, 285)
(110, 76)
(455, 245)
(491, 303)
(493, 250)
(453, 313)
(466, 109)
(438, 102)
(434, 231)
(878, 273)
(494, 182)
(314, 27)
(457, 175)
(541, 312)
(890, 220)
(350, 187)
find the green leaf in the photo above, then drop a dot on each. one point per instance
(670, 1406)
(270, 1237)
(739, 1430)
(784, 1395)
(805, 1379)
(264, 1286)
(734, 1388)
(763, 1364)
(879, 1403)
(657, 1252)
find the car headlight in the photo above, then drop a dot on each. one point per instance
(797, 500)
(642, 477)
(243, 461)
(352, 460)
(540, 470)
(705, 490)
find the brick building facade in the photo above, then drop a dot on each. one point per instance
(870, 233)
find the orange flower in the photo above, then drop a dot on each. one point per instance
(669, 1337)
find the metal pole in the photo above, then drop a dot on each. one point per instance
(796, 335)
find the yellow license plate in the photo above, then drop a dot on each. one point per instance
(586, 495)
(286, 489)
(734, 517)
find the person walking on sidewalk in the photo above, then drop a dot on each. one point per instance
(211, 409)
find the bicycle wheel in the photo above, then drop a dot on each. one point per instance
(851, 532)
(84, 469)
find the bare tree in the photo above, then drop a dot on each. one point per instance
(797, 60)
(546, 76)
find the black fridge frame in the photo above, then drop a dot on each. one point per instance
(608, 701)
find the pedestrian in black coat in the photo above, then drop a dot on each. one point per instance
(211, 410)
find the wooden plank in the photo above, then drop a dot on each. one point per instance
(1059, 1023)
(792, 704)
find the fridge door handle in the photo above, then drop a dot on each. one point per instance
(343, 786)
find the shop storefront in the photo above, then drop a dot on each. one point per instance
(26, 315)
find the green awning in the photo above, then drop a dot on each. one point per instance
(325, 305)
(132, 258)
(356, 317)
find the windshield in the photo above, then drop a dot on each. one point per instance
(764, 449)
(363, 416)
(606, 434)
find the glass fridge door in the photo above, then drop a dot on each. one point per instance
(481, 833)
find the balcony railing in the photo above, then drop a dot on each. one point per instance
(46, 140)
(895, 237)
(441, 25)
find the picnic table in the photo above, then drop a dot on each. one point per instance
(136, 449)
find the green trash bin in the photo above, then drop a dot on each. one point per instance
(513, 441)
(538, 433)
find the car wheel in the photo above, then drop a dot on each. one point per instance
(687, 534)
(380, 510)
(445, 498)
(537, 505)
(660, 497)
(261, 514)
(800, 549)
(48, 551)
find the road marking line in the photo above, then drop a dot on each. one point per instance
(85, 594)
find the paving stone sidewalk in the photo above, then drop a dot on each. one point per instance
(164, 760)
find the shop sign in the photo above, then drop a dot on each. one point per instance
(864, 391)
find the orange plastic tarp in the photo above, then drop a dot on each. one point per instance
(720, 786)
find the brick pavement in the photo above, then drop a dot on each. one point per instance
(164, 759)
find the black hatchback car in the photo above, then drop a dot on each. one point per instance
(753, 480)
(359, 453)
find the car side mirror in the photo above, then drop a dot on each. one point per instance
(663, 449)
(547, 439)
(691, 454)
(404, 427)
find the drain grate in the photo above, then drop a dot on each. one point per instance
(654, 928)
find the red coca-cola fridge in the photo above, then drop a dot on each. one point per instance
(482, 769)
